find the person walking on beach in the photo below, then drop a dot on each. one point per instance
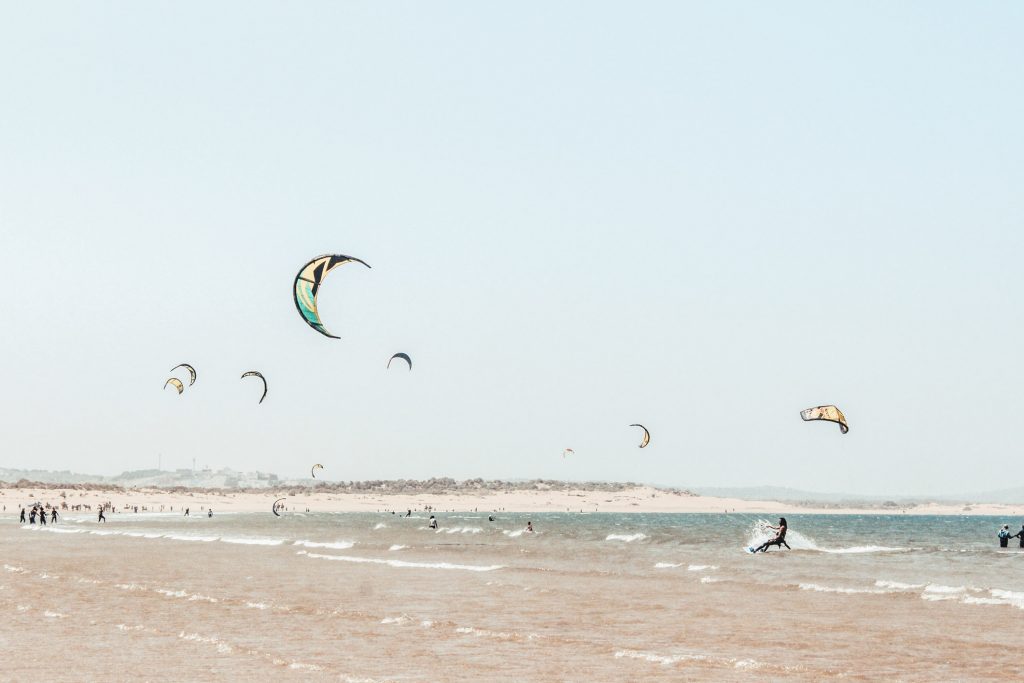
(101, 518)
(22, 520)
(1004, 536)
(53, 516)
(778, 540)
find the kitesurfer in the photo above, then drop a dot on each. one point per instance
(490, 518)
(101, 518)
(408, 513)
(778, 540)
(1020, 535)
(186, 512)
(433, 522)
(1004, 536)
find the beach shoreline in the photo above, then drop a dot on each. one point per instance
(640, 500)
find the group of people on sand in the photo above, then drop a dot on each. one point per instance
(1005, 536)
(39, 511)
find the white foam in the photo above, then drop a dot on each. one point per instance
(709, 579)
(222, 647)
(627, 538)
(513, 534)
(898, 586)
(339, 545)
(1008, 597)
(497, 635)
(257, 605)
(667, 565)
(403, 564)
(404, 619)
(200, 539)
(701, 567)
(380, 525)
(658, 659)
(53, 615)
(130, 586)
(862, 549)
(171, 594)
(947, 590)
(398, 547)
(250, 541)
(461, 530)
(16, 570)
(841, 589)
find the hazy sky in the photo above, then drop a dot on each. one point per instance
(699, 216)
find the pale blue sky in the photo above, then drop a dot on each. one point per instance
(702, 217)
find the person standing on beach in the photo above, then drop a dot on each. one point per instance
(1004, 536)
(22, 520)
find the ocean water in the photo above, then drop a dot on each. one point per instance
(587, 597)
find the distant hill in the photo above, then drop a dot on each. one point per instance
(790, 495)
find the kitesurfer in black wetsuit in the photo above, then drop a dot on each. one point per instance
(779, 540)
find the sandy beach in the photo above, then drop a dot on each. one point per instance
(638, 500)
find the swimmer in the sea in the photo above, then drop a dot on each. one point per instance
(778, 540)
(432, 523)
(529, 527)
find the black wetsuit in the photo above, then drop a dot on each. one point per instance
(101, 518)
(22, 520)
(1004, 538)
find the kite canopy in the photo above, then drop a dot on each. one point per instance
(314, 468)
(403, 356)
(567, 451)
(307, 284)
(253, 373)
(647, 435)
(176, 383)
(191, 372)
(828, 414)
(274, 509)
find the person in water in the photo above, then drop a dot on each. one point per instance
(529, 527)
(22, 520)
(186, 512)
(433, 522)
(209, 513)
(1020, 535)
(1004, 536)
(102, 517)
(778, 540)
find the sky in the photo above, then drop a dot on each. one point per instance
(703, 217)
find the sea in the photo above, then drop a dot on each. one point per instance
(585, 597)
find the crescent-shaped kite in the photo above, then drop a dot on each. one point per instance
(827, 413)
(403, 356)
(312, 470)
(253, 373)
(274, 509)
(307, 284)
(566, 452)
(191, 372)
(647, 435)
(176, 383)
